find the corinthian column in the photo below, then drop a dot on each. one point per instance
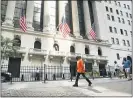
(46, 16)
(29, 14)
(62, 5)
(75, 19)
(9, 13)
(87, 18)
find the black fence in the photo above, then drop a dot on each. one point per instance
(30, 73)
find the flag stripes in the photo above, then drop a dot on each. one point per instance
(22, 22)
(92, 32)
(64, 28)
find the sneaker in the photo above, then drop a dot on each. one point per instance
(129, 79)
(75, 85)
(89, 84)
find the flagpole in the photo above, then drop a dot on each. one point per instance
(56, 32)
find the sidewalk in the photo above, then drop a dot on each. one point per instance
(62, 88)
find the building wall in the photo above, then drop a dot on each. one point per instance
(102, 30)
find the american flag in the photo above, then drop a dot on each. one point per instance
(92, 32)
(64, 28)
(22, 21)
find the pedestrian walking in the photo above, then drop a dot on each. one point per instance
(37, 74)
(124, 60)
(127, 66)
(80, 70)
(130, 59)
(117, 69)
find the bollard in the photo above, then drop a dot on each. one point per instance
(54, 77)
(22, 78)
(11, 78)
(46, 78)
(63, 76)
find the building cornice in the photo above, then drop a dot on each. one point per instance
(55, 36)
(129, 50)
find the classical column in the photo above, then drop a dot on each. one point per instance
(87, 18)
(9, 13)
(29, 14)
(46, 16)
(62, 5)
(75, 19)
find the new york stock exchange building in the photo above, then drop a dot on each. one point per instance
(43, 46)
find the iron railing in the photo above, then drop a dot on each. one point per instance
(28, 73)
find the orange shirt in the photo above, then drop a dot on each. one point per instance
(80, 66)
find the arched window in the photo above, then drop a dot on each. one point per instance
(56, 47)
(17, 42)
(99, 51)
(37, 45)
(86, 50)
(72, 49)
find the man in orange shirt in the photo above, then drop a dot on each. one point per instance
(80, 70)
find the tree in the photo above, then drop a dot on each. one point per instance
(8, 48)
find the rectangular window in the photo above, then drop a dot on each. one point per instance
(110, 29)
(121, 31)
(108, 16)
(128, 43)
(111, 10)
(126, 14)
(130, 15)
(124, 43)
(124, 5)
(131, 33)
(126, 32)
(121, 13)
(115, 30)
(128, 7)
(113, 19)
(123, 21)
(107, 8)
(117, 12)
(117, 41)
(129, 22)
(112, 39)
(119, 4)
(119, 19)
(115, 2)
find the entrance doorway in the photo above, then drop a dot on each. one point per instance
(14, 66)
(88, 67)
(102, 70)
(73, 65)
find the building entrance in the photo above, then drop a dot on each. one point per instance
(14, 66)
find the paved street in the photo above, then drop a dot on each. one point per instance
(100, 87)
